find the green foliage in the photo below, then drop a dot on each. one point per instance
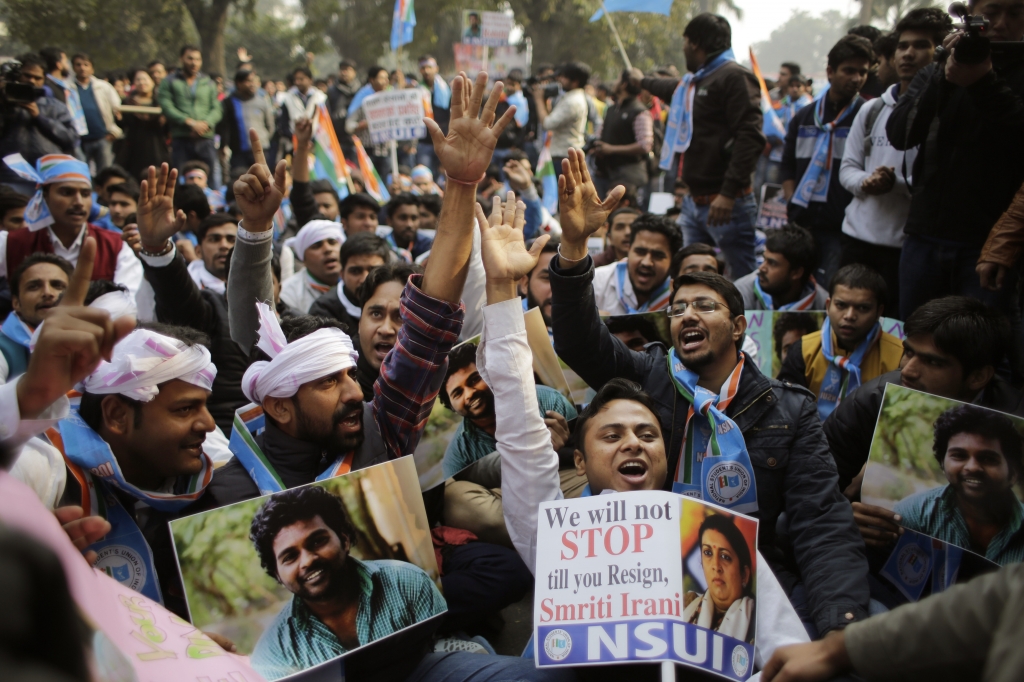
(804, 39)
(274, 43)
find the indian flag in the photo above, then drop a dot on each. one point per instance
(402, 23)
(374, 187)
(548, 179)
(772, 123)
(327, 160)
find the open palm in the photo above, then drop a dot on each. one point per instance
(581, 211)
(466, 151)
(155, 213)
(502, 246)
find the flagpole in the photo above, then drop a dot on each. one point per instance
(615, 32)
(394, 144)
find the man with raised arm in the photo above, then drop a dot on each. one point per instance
(766, 434)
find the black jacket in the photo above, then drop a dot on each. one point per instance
(793, 470)
(851, 425)
(179, 301)
(971, 141)
(51, 132)
(329, 305)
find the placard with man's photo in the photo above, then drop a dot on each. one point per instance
(311, 574)
(951, 473)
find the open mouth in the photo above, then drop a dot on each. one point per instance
(352, 421)
(974, 484)
(692, 338)
(381, 350)
(314, 577)
(634, 471)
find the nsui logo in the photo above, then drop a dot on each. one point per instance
(740, 661)
(557, 644)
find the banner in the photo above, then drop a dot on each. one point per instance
(771, 211)
(327, 160)
(490, 29)
(259, 571)
(395, 115)
(643, 577)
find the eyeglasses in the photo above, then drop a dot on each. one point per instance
(701, 305)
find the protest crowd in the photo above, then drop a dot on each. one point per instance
(222, 290)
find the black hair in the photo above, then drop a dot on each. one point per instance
(727, 527)
(980, 422)
(432, 202)
(304, 70)
(189, 48)
(800, 79)
(577, 72)
(792, 322)
(291, 506)
(403, 199)
(794, 68)
(357, 200)
(885, 46)
(972, 332)
(648, 222)
(129, 188)
(242, 75)
(191, 198)
(931, 20)
(721, 286)
(52, 57)
(324, 186)
(90, 408)
(101, 287)
(364, 244)
(615, 389)
(695, 249)
(865, 31)
(633, 323)
(195, 164)
(631, 210)
(424, 57)
(211, 221)
(32, 59)
(10, 200)
(154, 63)
(859, 276)
(111, 171)
(389, 272)
(850, 46)
(14, 281)
(631, 90)
(84, 56)
(460, 357)
(710, 32)
(372, 72)
(796, 245)
(346, 63)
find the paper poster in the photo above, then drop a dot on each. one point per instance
(469, 58)
(771, 210)
(645, 577)
(395, 115)
(131, 637)
(259, 572)
(950, 470)
(500, 60)
(639, 329)
(486, 28)
(660, 202)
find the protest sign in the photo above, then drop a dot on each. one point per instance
(469, 58)
(644, 576)
(771, 211)
(545, 362)
(243, 577)
(949, 470)
(131, 637)
(395, 115)
(639, 329)
(490, 29)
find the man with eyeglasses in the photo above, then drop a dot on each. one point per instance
(754, 444)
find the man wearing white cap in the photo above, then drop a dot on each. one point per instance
(316, 245)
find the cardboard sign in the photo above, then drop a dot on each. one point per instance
(491, 29)
(625, 577)
(370, 532)
(395, 115)
(771, 212)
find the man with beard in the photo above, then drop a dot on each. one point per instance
(304, 538)
(851, 347)
(403, 213)
(785, 280)
(316, 246)
(535, 288)
(768, 432)
(640, 283)
(980, 454)
(360, 254)
(36, 286)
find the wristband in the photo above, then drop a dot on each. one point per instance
(254, 237)
(464, 182)
(570, 260)
(168, 245)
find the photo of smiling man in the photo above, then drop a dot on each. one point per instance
(303, 537)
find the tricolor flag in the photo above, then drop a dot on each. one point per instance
(548, 179)
(402, 24)
(772, 125)
(371, 181)
(327, 160)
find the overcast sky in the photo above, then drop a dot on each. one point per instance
(761, 17)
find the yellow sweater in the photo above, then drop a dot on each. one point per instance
(883, 357)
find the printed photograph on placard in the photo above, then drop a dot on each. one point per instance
(951, 470)
(639, 329)
(771, 211)
(719, 570)
(472, 26)
(266, 573)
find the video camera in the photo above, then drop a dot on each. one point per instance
(974, 46)
(550, 89)
(14, 91)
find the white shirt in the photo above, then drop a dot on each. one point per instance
(298, 292)
(568, 122)
(876, 219)
(36, 463)
(127, 271)
(529, 466)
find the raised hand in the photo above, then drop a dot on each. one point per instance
(78, 283)
(258, 194)
(581, 211)
(502, 246)
(519, 176)
(155, 215)
(303, 132)
(466, 152)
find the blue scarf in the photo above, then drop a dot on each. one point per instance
(818, 176)
(714, 464)
(123, 553)
(243, 130)
(679, 130)
(657, 300)
(442, 94)
(357, 100)
(16, 330)
(803, 303)
(837, 384)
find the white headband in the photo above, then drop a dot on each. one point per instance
(312, 232)
(312, 357)
(117, 303)
(145, 359)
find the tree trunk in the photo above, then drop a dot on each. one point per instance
(210, 20)
(866, 11)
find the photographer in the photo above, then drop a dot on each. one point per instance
(967, 116)
(32, 127)
(567, 119)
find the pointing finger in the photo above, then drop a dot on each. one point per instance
(257, 148)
